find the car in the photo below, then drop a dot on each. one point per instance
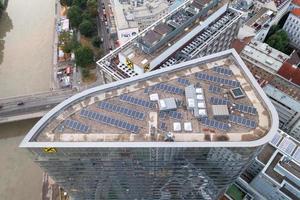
(20, 103)
(1, 106)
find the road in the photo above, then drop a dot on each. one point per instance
(32, 103)
(102, 27)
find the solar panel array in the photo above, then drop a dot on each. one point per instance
(136, 101)
(76, 125)
(168, 88)
(218, 80)
(100, 118)
(242, 121)
(183, 81)
(214, 89)
(214, 124)
(223, 70)
(162, 126)
(122, 110)
(296, 155)
(175, 115)
(245, 109)
(287, 146)
(218, 101)
(162, 115)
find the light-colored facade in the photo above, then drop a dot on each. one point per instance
(134, 16)
(292, 27)
(92, 147)
(288, 110)
(192, 30)
(275, 172)
(263, 56)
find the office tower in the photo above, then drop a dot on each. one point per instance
(182, 132)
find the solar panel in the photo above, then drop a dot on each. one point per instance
(162, 126)
(76, 125)
(218, 80)
(242, 121)
(183, 81)
(223, 71)
(100, 118)
(121, 110)
(218, 101)
(214, 89)
(168, 88)
(245, 108)
(276, 139)
(296, 155)
(136, 101)
(214, 124)
(175, 115)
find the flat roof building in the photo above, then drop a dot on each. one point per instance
(115, 135)
(275, 172)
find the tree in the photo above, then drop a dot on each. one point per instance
(86, 15)
(279, 40)
(74, 15)
(84, 56)
(87, 28)
(80, 3)
(96, 41)
(92, 7)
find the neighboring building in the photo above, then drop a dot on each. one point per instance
(263, 15)
(295, 4)
(275, 172)
(194, 29)
(118, 141)
(134, 16)
(288, 110)
(292, 27)
(263, 56)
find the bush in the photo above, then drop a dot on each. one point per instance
(74, 15)
(85, 72)
(84, 56)
(80, 3)
(96, 41)
(87, 28)
(92, 7)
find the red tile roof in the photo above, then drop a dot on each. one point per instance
(290, 72)
(296, 2)
(239, 45)
(296, 12)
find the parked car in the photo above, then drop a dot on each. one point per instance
(20, 103)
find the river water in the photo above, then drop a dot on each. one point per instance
(26, 37)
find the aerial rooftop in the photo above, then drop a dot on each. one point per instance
(189, 102)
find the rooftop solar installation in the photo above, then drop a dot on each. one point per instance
(122, 110)
(287, 146)
(175, 115)
(76, 125)
(214, 89)
(215, 79)
(136, 101)
(223, 71)
(214, 124)
(242, 121)
(168, 88)
(245, 108)
(183, 81)
(100, 118)
(219, 101)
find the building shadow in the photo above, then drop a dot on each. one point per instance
(5, 27)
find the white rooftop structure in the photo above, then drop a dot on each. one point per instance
(264, 56)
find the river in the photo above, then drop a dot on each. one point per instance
(26, 37)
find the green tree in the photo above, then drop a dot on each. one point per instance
(84, 56)
(86, 15)
(279, 40)
(80, 3)
(96, 41)
(92, 7)
(74, 15)
(87, 28)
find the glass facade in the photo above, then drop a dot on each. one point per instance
(144, 173)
